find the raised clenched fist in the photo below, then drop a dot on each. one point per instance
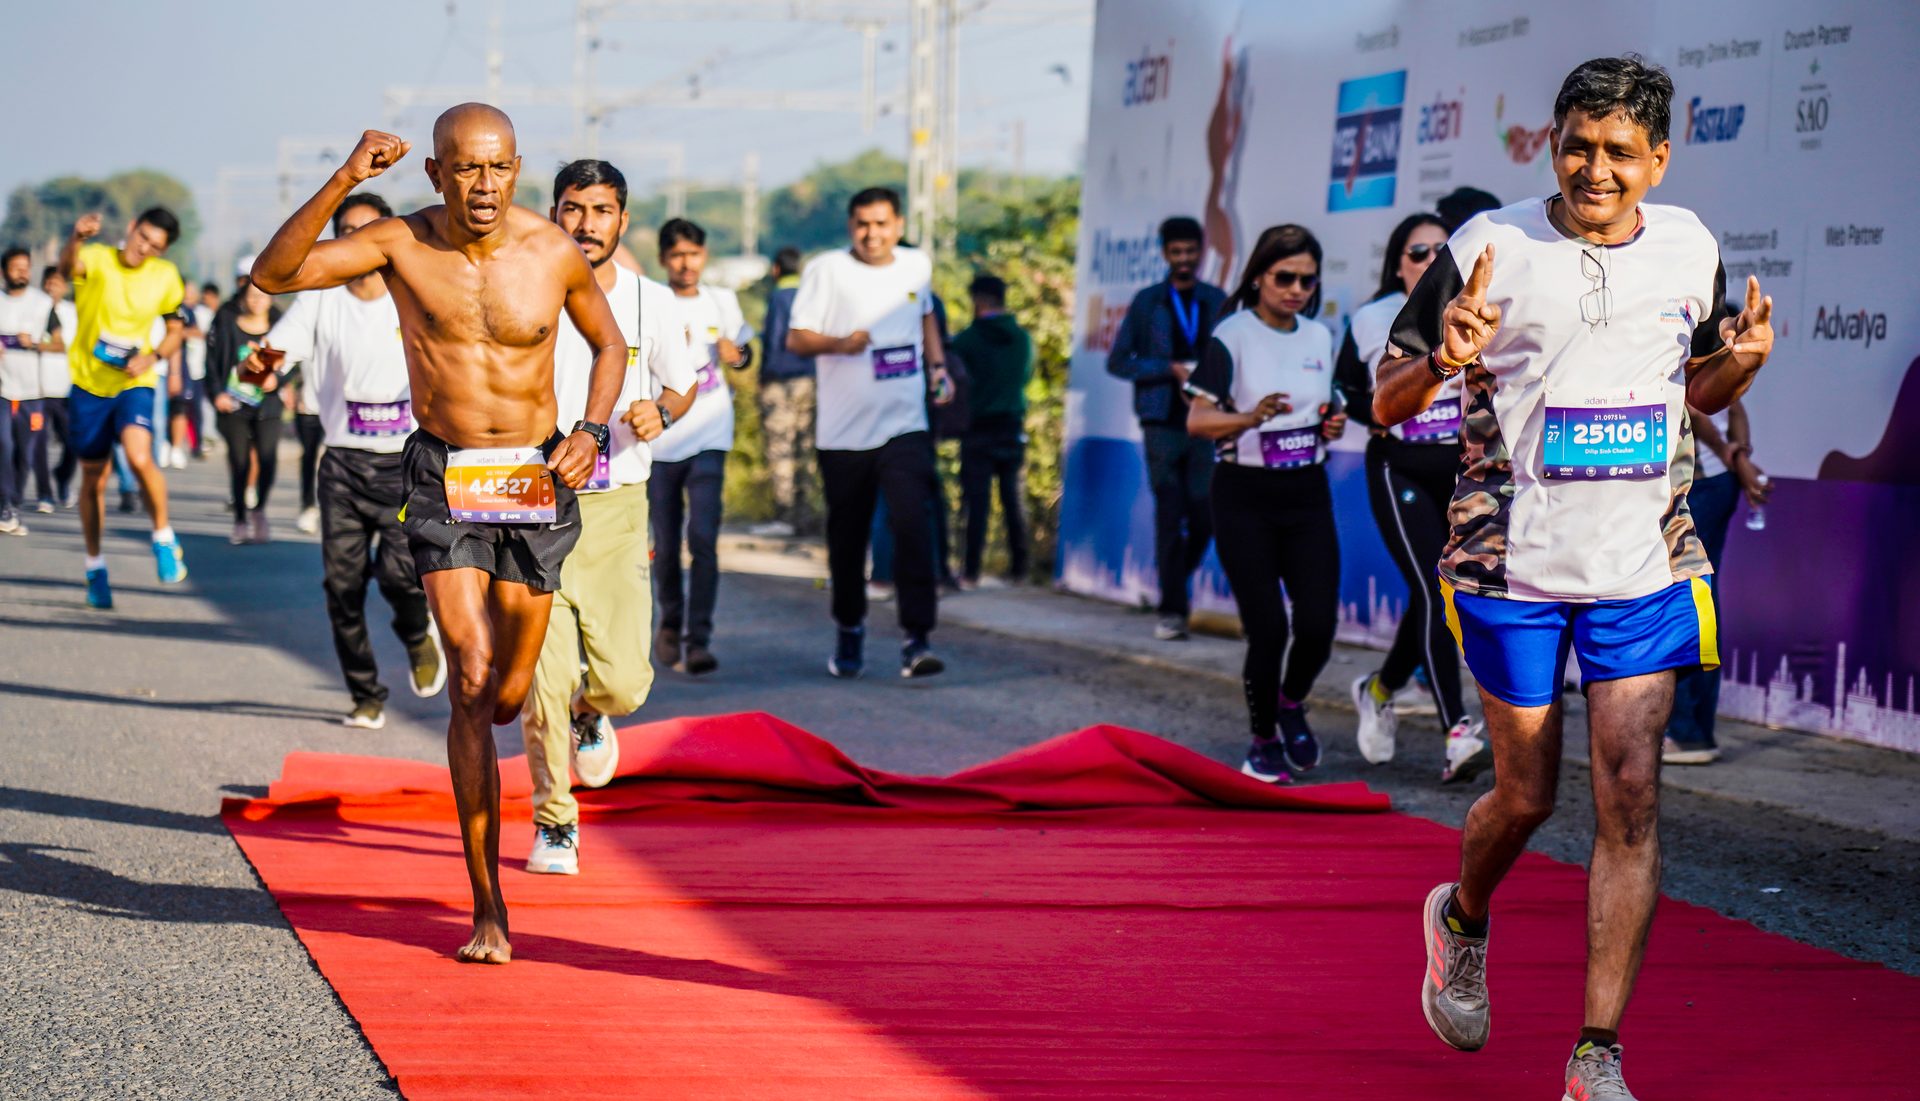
(87, 226)
(377, 152)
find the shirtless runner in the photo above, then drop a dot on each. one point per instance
(490, 512)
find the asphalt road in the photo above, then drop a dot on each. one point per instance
(142, 958)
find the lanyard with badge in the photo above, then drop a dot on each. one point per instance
(1189, 319)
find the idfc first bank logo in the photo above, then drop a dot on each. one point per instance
(1713, 124)
(1366, 141)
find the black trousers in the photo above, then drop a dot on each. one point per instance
(1179, 472)
(995, 454)
(312, 433)
(1274, 528)
(251, 430)
(1409, 486)
(25, 448)
(901, 470)
(360, 495)
(59, 427)
(685, 496)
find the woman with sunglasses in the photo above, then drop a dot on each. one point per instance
(1410, 475)
(1264, 392)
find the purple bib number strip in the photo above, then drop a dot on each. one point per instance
(602, 475)
(379, 418)
(1439, 421)
(890, 363)
(1290, 447)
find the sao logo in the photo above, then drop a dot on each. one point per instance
(1713, 124)
(1838, 324)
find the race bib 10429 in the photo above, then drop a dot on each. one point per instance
(1604, 436)
(1436, 423)
(501, 485)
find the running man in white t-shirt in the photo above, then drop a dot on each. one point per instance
(602, 610)
(346, 341)
(1583, 325)
(24, 313)
(690, 459)
(867, 315)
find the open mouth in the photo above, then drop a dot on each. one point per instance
(483, 210)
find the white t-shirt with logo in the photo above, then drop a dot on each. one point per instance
(56, 374)
(354, 367)
(704, 318)
(657, 356)
(866, 399)
(1249, 359)
(1371, 325)
(1576, 449)
(23, 320)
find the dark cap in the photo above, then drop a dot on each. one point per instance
(1463, 203)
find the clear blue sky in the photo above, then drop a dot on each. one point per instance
(190, 88)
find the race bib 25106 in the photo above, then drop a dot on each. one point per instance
(1604, 436)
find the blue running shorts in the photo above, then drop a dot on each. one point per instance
(96, 422)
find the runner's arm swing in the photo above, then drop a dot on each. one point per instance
(297, 260)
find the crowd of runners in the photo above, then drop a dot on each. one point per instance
(520, 439)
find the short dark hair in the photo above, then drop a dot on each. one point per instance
(990, 287)
(1461, 204)
(1276, 244)
(1180, 228)
(360, 198)
(872, 195)
(583, 174)
(209, 287)
(675, 230)
(7, 257)
(1629, 84)
(49, 272)
(787, 260)
(162, 219)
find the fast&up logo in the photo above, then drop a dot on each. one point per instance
(1712, 124)
(1366, 141)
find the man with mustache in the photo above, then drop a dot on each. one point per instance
(490, 508)
(603, 607)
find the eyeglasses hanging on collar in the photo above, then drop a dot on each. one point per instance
(1596, 306)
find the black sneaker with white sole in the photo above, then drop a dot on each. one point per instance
(917, 659)
(1302, 749)
(1266, 761)
(849, 653)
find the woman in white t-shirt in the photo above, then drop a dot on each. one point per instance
(1411, 469)
(1264, 392)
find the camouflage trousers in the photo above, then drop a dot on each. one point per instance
(786, 423)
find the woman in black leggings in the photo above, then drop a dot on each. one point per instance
(247, 414)
(1272, 509)
(1411, 470)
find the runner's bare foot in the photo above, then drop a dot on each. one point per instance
(489, 943)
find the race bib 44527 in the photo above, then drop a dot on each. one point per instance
(501, 485)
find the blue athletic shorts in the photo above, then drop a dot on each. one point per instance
(96, 422)
(1517, 648)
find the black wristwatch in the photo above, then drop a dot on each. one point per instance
(666, 414)
(601, 435)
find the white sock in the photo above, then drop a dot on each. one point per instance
(163, 535)
(96, 561)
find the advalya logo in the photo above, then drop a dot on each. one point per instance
(1849, 325)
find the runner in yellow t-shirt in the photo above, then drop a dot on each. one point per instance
(118, 294)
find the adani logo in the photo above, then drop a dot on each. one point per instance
(1366, 141)
(1706, 125)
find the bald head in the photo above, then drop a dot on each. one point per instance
(468, 124)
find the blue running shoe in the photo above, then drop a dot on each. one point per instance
(99, 593)
(1266, 762)
(170, 562)
(849, 653)
(1302, 749)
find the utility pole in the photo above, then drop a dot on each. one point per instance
(923, 115)
(750, 205)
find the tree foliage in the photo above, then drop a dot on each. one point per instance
(39, 216)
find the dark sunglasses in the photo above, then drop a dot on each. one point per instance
(1285, 279)
(1420, 254)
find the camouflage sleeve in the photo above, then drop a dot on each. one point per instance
(1706, 335)
(1418, 329)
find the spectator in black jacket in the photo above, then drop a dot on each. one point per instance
(1159, 341)
(999, 357)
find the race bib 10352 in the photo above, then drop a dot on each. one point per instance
(1290, 447)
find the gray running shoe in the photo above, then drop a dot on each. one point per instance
(1593, 1074)
(1453, 994)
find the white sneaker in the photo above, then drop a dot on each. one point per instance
(596, 750)
(253, 498)
(879, 592)
(556, 850)
(1468, 754)
(309, 521)
(1414, 699)
(366, 716)
(1379, 723)
(178, 459)
(242, 534)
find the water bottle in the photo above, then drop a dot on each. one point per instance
(1757, 515)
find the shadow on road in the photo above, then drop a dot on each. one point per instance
(253, 708)
(105, 810)
(34, 870)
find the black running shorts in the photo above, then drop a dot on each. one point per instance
(529, 554)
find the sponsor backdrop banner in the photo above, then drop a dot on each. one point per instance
(1792, 137)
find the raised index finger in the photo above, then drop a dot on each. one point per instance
(1753, 295)
(1481, 275)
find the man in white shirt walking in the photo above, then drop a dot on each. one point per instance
(24, 312)
(867, 315)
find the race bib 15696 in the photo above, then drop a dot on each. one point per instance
(379, 418)
(1605, 437)
(895, 362)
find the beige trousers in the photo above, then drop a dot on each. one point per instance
(602, 616)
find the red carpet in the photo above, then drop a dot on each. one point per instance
(1102, 915)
